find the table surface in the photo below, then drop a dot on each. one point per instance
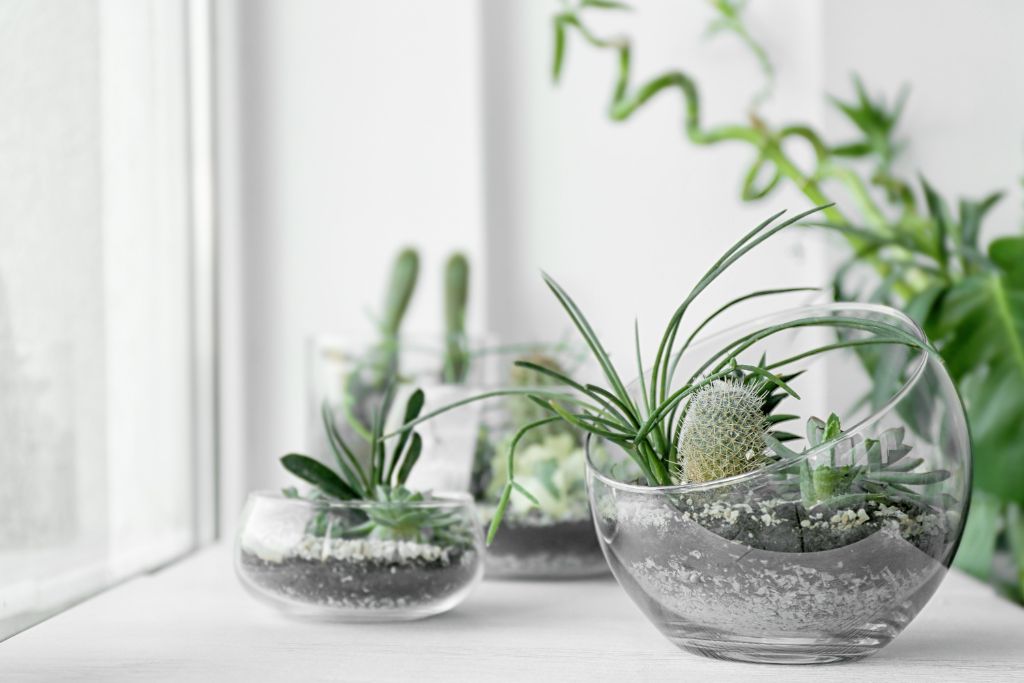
(193, 621)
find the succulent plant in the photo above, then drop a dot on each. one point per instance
(874, 469)
(722, 433)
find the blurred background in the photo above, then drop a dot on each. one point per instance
(189, 190)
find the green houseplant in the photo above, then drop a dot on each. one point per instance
(929, 259)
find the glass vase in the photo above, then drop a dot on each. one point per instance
(758, 567)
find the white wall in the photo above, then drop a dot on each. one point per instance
(364, 126)
(359, 133)
(629, 216)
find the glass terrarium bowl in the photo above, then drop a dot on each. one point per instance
(554, 539)
(316, 558)
(349, 373)
(746, 568)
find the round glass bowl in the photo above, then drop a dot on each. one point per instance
(359, 561)
(760, 567)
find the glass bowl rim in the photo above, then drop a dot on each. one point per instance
(445, 499)
(789, 313)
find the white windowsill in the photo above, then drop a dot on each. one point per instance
(193, 621)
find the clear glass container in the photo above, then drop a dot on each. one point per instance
(358, 561)
(752, 568)
(554, 539)
(349, 373)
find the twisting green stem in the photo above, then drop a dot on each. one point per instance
(768, 143)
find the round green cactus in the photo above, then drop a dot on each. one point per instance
(722, 434)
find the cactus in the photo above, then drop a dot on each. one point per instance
(722, 433)
(364, 386)
(456, 295)
(383, 360)
(400, 291)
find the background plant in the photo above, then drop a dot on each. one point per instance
(549, 459)
(928, 258)
(366, 385)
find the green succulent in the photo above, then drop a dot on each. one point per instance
(878, 469)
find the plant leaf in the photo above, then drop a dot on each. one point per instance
(319, 475)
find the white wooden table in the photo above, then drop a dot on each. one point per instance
(193, 622)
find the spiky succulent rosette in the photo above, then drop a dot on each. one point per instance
(722, 434)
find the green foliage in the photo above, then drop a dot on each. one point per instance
(928, 260)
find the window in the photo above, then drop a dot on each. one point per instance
(106, 463)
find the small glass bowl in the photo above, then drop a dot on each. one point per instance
(746, 568)
(347, 561)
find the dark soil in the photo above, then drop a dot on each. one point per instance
(576, 537)
(361, 583)
(791, 527)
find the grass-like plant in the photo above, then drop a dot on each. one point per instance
(930, 260)
(647, 424)
(650, 424)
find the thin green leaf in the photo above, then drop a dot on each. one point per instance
(529, 496)
(347, 461)
(411, 457)
(319, 475)
(499, 512)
